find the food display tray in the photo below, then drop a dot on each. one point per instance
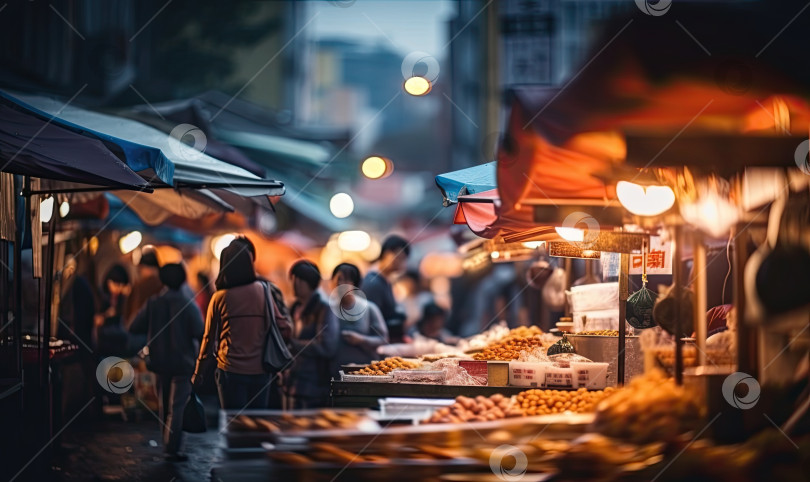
(242, 439)
(348, 377)
(436, 377)
(563, 426)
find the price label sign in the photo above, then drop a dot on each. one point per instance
(659, 259)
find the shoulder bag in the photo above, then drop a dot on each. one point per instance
(276, 356)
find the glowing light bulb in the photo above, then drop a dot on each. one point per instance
(571, 234)
(221, 242)
(645, 201)
(46, 209)
(129, 242)
(712, 214)
(533, 244)
(64, 209)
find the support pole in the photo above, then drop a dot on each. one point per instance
(699, 250)
(624, 274)
(45, 360)
(677, 279)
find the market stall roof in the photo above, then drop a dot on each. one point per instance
(33, 147)
(718, 102)
(480, 212)
(248, 126)
(151, 152)
(742, 80)
(471, 180)
(213, 147)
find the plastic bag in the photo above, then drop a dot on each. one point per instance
(640, 308)
(194, 415)
(456, 375)
(534, 355)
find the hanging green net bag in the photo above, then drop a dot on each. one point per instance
(640, 308)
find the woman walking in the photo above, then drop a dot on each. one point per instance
(236, 328)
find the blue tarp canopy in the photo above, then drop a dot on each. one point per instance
(31, 146)
(151, 153)
(471, 180)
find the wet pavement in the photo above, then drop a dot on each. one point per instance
(114, 449)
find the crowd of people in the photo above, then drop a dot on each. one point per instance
(225, 335)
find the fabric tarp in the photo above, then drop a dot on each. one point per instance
(481, 213)
(157, 207)
(147, 149)
(32, 147)
(471, 180)
(123, 217)
(247, 126)
(631, 105)
(213, 147)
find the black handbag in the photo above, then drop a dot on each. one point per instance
(277, 356)
(194, 415)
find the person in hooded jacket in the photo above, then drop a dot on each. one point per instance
(173, 325)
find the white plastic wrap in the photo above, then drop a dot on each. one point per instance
(456, 375)
(594, 297)
(534, 355)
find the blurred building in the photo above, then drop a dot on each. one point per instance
(128, 51)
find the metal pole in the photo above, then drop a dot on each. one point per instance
(26, 201)
(677, 277)
(624, 273)
(45, 360)
(699, 268)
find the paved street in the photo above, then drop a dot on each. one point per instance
(112, 449)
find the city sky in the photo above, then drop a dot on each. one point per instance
(407, 26)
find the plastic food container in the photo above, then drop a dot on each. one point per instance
(348, 377)
(436, 377)
(525, 374)
(592, 376)
(557, 377)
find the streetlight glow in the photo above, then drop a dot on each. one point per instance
(417, 86)
(375, 167)
(341, 205)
